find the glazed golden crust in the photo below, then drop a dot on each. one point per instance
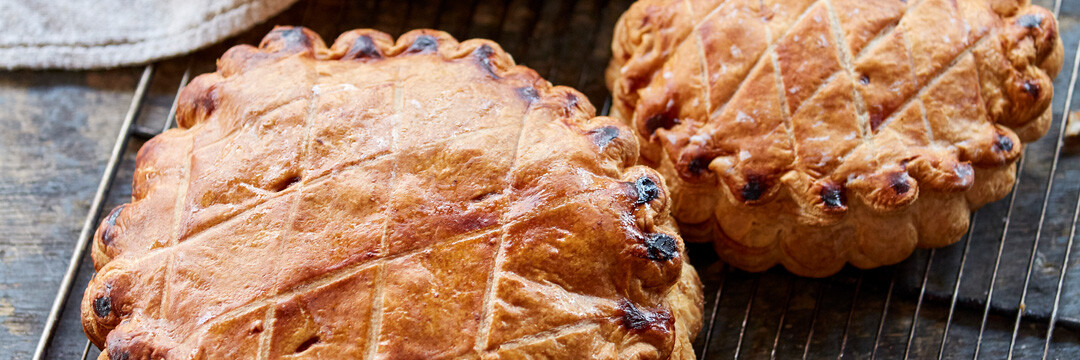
(815, 133)
(418, 199)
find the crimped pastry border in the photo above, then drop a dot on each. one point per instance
(787, 218)
(199, 100)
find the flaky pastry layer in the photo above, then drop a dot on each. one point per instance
(818, 133)
(422, 198)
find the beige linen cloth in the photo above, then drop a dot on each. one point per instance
(84, 34)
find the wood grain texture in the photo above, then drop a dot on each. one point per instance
(57, 128)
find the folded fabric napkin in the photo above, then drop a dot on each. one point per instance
(84, 34)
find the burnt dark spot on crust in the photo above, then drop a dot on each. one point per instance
(646, 189)
(833, 196)
(102, 306)
(1003, 143)
(755, 187)
(698, 165)
(363, 48)
(661, 247)
(571, 100)
(876, 118)
(304, 346)
(482, 55)
(295, 39)
(1030, 21)
(1032, 88)
(635, 319)
(604, 135)
(423, 44)
(632, 318)
(528, 93)
(207, 101)
(109, 233)
(657, 121)
(864, 80)
(898, 183)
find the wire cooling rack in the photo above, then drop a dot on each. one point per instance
(1009, 288)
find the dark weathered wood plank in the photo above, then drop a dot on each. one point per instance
(56, 129)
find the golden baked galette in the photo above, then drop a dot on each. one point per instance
(418, 199)
(815, 133)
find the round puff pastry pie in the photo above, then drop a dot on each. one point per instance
(815, 133)
(418, 199)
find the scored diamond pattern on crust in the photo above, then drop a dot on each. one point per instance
(820, 117)
(354, 211)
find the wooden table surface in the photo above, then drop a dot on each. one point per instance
(58, 127)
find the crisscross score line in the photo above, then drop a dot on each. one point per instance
(865, 131)
(251, 204)
(938, 75)
(547, 334)
(375, 322)
(316, 179)
(847, 60)
(841, 47)
(201, 236)
(305, 151)
(847, 63)
(544, 334)
(483, 331)
(885, 32)
(326, 279)
(352, 269)
(702, 59)
(256, 119)
(785, 115)
(773, 42)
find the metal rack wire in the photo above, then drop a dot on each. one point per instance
(862, 314)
